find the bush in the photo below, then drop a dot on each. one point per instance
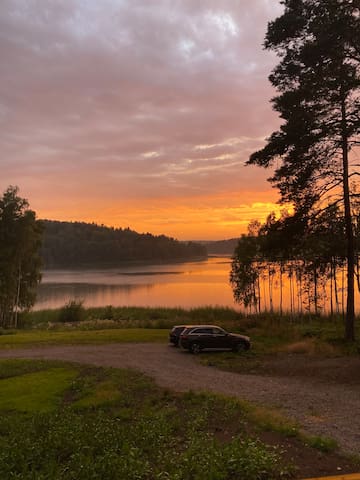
(73, 311)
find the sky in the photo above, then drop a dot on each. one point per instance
(138, 113)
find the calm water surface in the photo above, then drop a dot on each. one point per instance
(169, 285)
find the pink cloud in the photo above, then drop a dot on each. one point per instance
(111, 99)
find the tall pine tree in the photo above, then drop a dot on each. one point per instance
(20, 238)
(318, 84)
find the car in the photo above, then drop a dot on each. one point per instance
(174, 335)
(196, 338)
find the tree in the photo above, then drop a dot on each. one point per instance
(69, 244)
(318, 84)
(20, 239)
(245, 270)
(310, 254)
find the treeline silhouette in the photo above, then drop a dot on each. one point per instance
(221, 247)
(78, 244)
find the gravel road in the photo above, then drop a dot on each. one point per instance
(322, 408)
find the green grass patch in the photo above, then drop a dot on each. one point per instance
(271, 420)
(105, 393)
(324, 444)
(35, 392)
(94, 423)
(12, 368)
(44, 337)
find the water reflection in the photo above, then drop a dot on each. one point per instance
(185, 285)
(181, 285)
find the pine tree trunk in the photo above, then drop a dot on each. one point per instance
(291, 288)
(281, 287)
(270, 282)
(315, 292)
(331, 288)
(350, 250)
(336, 293)
(299, 289)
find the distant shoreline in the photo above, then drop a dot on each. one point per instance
(129, 263)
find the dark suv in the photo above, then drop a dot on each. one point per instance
(174, 335)
(200, 337)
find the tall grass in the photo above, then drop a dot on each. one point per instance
(270, 331)
(126, 317)
(162, 317)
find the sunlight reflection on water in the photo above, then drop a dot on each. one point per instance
(187, 285)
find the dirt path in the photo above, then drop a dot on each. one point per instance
(323, 408)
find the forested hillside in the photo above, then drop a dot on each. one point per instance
(221, 247)
(76, 244)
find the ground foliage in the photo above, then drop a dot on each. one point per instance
(119, 425)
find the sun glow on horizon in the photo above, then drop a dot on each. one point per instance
(183, 221)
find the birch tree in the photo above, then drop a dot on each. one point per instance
(20, 239)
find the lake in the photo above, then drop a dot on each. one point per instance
(186, 285)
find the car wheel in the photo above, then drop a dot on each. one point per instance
(195, 348)
(240, 347)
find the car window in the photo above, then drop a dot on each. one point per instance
(208, 331)
(202, 331)
(186, 330)
(196, 331)
(218, 331)
(178, 329)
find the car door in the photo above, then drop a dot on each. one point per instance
(220, 339)
(204, 336)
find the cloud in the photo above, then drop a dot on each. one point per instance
(132, 100)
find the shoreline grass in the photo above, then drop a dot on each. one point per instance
(270, 333)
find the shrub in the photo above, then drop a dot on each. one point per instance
(323, 444)
(73, 311)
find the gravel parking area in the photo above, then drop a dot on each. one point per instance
(322, 407)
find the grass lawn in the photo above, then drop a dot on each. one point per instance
(26, 338)
(270, 333)
(64, 421)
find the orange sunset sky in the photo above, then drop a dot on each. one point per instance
(138, 113)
